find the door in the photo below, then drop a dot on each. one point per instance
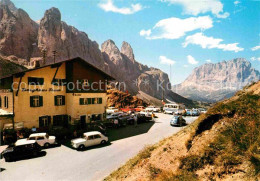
(97, 139)
(83, 121)
(41, 140)
(90, 141)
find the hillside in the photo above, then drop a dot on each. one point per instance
(119, 99)
(223, 144)
(213, 82)
(7, 67)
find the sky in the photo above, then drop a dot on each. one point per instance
(176, 35)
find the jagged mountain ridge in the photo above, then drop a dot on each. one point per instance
(213, 82)
(23, 40)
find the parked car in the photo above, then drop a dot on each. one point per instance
(195, 112)
(111, 110)
(43, 139)
(128, 109)
(152, 109)
(169, 111)
(177, 121)
(89, 139)
(119, 116)
(139, 108)
(202, 110)
(21, 149)
(188, 112)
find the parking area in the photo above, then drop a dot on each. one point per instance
(64, 163)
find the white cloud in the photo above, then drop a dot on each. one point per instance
(236, 2)
(145, 33)
(174, 28)
(195, 7)
(255, 58)
(109, 6)
(165, 60)
(208, 60)
(255, 48)
(210, 42)
(192, 60)
(185, 66)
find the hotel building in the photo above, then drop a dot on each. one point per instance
(68, 92)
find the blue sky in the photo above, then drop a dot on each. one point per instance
(183, 33)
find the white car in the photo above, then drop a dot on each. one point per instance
(170, 111)
(111, 110)
(152, 108)
(89, 139)
(43, 139)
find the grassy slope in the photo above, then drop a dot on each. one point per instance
(223, 144)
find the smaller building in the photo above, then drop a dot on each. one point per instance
(68, 92)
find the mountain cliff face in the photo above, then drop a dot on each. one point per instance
(213, 82)
(24, 40)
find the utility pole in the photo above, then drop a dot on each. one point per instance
(54, 55)
(44, 51)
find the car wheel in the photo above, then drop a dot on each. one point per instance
(46, 145)
(81, 147)
(103, 142)
(7, 158)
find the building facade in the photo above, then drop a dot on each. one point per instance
(59, 94)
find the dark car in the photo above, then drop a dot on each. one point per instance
(178, 121)
(21, 149)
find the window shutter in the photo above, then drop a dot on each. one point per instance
(41, 101)
(49, 120)
(93, 101)
(55, 100)
(63, 100)
(89, 100)
(0, 102)
(81, 101)
(41, 123)
(31, 101)
(100, 100)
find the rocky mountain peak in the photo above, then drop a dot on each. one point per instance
(52, 14)
(127, 50)
(9, 4)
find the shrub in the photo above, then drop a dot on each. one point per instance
(154, 172)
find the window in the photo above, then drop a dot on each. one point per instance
(36, 101)
(40, 138)
(0, 102)
(44, 121)
(85, 82)
(97, 136)
(35, 81)
(83, 101)
(99, 100)
(61, 120)
(6, 102)
(86, 101)
(32, 138)
(91, 137)
(59, 82)
(59, 100)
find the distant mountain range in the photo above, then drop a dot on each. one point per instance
(23, 40)
(213, 82)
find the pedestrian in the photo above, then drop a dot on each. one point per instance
(135, 119)
(116, 123)
(75, 134)
(152, 116)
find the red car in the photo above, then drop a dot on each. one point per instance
(139, 108)
(128, 109)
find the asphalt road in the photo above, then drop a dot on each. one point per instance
(64, 163)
